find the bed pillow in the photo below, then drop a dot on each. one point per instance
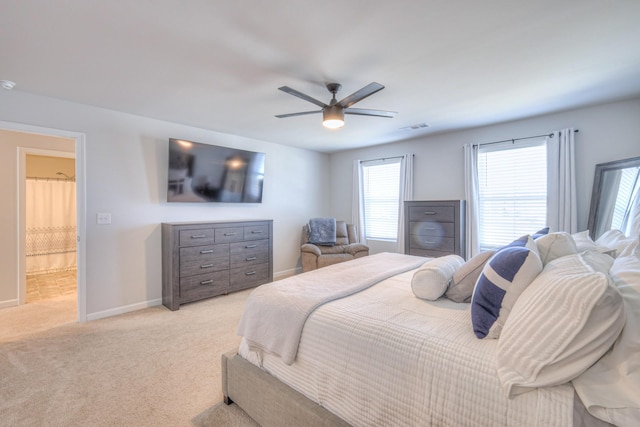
(584, 242)
(432, 279)
(502, 281)
(615, 239)
(541, 233)
(610, 389)
(555, 245)
(464, 280)
(561, 325)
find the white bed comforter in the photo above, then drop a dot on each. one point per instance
(383, 357)
(275, 313)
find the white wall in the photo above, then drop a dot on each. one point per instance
(126, 167)
(607, 132)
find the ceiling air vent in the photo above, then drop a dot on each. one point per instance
(415, 127)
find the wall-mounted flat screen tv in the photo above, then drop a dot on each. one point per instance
(210, 173)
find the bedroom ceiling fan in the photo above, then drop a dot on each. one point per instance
(333, 113)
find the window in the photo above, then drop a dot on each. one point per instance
(512, 191)
(381, 197)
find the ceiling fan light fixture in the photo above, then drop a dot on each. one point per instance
(333, 117)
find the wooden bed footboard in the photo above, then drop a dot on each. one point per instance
(267, 400)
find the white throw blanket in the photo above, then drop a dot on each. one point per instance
(275, 314)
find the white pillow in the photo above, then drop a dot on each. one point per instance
(561, 325)
(615, 239)
(610, 389)
(432, 279)
(584, 242)
(555, 245)
(464, 280)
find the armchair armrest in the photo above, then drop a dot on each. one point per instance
(311, 248)
(355, 248)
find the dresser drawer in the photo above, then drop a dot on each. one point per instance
(250, 247)
(204, 236)
(256, 232)
(195, 253)
(445, 244)
(246, 277)
(432, 213)
(203, 285)
(240, 260)
(429, 253)
(428, 228)
(200, 266)
(226, 235)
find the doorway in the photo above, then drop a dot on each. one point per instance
(50, 226)
(78, 142)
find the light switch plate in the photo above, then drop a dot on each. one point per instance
(103, 218)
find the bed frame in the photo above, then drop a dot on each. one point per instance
(268, 401)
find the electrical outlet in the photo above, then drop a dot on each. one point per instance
(103, 218)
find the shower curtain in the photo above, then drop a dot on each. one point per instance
(50, 225)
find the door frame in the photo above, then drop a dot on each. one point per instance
(80, 147)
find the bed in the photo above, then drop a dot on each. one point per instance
(376, 342)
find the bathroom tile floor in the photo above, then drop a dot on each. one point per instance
(50, 285)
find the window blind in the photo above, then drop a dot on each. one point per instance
(381, 195)
(512, 190)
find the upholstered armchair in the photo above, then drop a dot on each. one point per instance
(347, 247)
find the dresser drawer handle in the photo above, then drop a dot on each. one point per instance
(429, 228)
(198, 236)
(429, 243)
(206, 266)
(250, 246)
(206, 282)
(251, 258)
(249, 273)
(208, 251)
(429, 213)
(256, 231)
(230, 234)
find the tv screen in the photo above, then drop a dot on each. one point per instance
(209, 173)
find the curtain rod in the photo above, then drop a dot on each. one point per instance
(386, 158)
(513, 140)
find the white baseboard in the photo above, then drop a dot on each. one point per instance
(8, 303)
(287, 273)
(151, 303)
(124, 309)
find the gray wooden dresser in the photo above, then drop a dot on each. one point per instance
(435, 228)
(205, 259)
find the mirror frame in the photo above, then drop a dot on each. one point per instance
(601, 168)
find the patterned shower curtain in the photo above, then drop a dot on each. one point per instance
(50, 225)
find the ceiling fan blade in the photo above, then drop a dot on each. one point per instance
(365, 112)
(361, 94)
(301, 95)
(302, 113)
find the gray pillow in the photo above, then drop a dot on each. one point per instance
(464, 280)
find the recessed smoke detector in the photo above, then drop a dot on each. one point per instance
(7, 84)
(415, 127)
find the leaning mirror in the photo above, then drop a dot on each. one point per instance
(615, 200)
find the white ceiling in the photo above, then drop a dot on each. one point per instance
(217, 64)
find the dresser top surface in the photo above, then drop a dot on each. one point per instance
(221, 222)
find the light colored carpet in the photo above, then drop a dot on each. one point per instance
(152, 367)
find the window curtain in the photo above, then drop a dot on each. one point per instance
(562, 212)
(357, 204)
(406, 194)
(471, 195)
(50, 225)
